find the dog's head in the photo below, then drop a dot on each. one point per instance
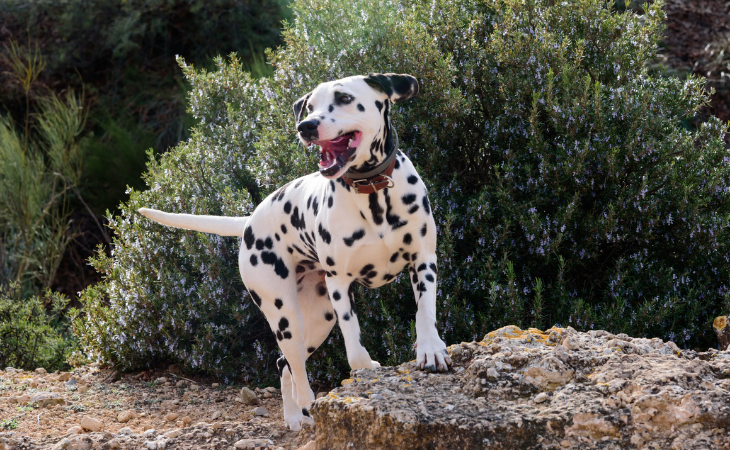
(348, 119)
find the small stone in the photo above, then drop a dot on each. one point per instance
(172, 417)
(126, 416)
(126, 431)
(187, 420)
(311, 445)
(216, 415)
(161, 380)
(271, 389)
(23, 399)
(214, 385)
(149, 433)
(65, 376)
(172, 434)
(248, 397)
(114, 444)
(541, 397)
(175, 369)
(62, 444)
(75, 430)
(261, 411)
(40, 370)
(91, 424)
(71, 382)
(267, 394)
(82, 389)
(252, 443)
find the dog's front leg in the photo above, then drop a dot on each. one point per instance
(431, 351)
(343, 303)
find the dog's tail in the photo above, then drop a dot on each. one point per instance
(224, 226)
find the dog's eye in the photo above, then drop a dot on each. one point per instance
(345, 99)
(310, 108)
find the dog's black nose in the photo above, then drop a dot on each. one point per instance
(308, 129)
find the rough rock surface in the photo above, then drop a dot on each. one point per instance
(537, 390)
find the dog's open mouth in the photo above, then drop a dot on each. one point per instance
(335, 152)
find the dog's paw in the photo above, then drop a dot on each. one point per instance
(431, 355)
(375, 364)
(296, 423)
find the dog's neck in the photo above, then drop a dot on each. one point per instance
(369, 170)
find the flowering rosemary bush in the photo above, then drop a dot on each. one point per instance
(566, 186)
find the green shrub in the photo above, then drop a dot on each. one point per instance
(30, 335)
(565, 189)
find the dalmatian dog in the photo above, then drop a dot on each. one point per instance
(361, 218)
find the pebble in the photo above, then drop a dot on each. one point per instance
(72, 382)
(187, 420)
(126, 431)
(75, 430)
(214, 385)
(267, 394)
(172, 434)
(261, 411)
(172, 417)
(40, 370)
(541, 397)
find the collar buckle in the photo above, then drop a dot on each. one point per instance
(367, 184)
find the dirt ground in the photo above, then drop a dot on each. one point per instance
(92, 408)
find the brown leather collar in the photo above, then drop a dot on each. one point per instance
(372, 184)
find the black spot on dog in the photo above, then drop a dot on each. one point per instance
(268, 243)
(412, 179)
(299, 183)
(290, 250)
(279, 336)
(407, 239)
(336, 295)
(309, 201)
(315, 206)
(412, 209)
(359, 234)
(432, 266)
(344, 184)
(271, 259)
(283, 228)
(325, 235)
(407, 256)
(332, 185)
(388, 277)
(429, 277)
(297, 221)
(276, 235)
(393, 219)
(422, 267)
(254, 260)
(283, 324)
(414, 256)
(311, 349)
(394, 257)
(379, 105)
(424, 230)
(375, 208)
(331, 108)
(287, 335)
(346, 317)
(360, 108)
(287, 207)
(372, 274)
(409, 198)
(259, 244)
(321, 289)
(367, 269)
(305, 412)
(278, 303)
(329, 261)
(363, 216)
(426, 205)
(300, 268)
(330, 201)
(248, 237)
(415, 278)
(397, 165)
(422, 287)
(333, 120)
(328, 316)
(255, 298)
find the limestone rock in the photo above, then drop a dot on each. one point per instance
(46, 399)
(248, 397)
(595, 387)
(91, 424)
(126, 416)
(252, 443)
(171, 417)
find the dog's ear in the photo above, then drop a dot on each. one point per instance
(396, 86)
(300, 108)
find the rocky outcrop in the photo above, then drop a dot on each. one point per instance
(530, 389)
